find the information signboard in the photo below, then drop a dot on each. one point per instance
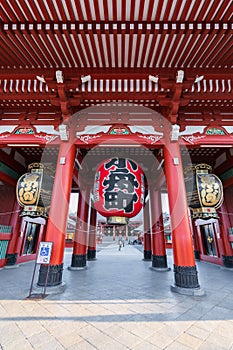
(44, 253)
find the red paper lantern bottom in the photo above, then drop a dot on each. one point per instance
(117, 220)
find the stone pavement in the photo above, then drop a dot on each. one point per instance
(117, 303)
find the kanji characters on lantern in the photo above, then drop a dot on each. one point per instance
(204, 191)
(34, 190)
(119, 189)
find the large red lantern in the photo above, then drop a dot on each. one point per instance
(119, 190)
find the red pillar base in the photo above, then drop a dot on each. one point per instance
(79, 262)
(54, 275)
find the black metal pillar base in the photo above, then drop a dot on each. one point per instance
(79, 262)
(147, 255)
(54, 275)
(197, 255)
(159, 263)
(91, 254)
(186, 277)
(227, 261)
(11, 259)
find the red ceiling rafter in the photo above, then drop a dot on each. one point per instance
(212, 12)
(45, 13)
(9, 12)
(15, 47)
(204, 46)
(57, 34)
(196, 41)
(52, 9)
(108, 10)
(186, 36)
(227, 8)
(78, 44)
(84, 42)
(7, 55)
(50, 50)
(35, 11)
(226, 45)
(93, 44)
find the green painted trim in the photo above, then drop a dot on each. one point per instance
(227, 175)
(215, 131)
(5, 229)
(3, 248)
(8, 171)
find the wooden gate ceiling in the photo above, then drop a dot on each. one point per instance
(119, 44)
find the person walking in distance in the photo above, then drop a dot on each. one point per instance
(120, 243)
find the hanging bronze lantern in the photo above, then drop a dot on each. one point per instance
(33, 190)
(204, 191)
(119, 190)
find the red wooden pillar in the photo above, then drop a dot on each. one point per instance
(186, 279)
(147, 232)
(224, 225)
(79, 257)
(56, 228)
(91, 251)
(114, 232)
(159, 257)
(12, 253)
(126, 232)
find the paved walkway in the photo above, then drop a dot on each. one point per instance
(117, 303)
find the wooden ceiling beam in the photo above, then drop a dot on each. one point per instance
(156, 26)
(25, 96)
(41, 122)
(117, 73)
(97, 96)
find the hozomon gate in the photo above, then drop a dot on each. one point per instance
(83, 82)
